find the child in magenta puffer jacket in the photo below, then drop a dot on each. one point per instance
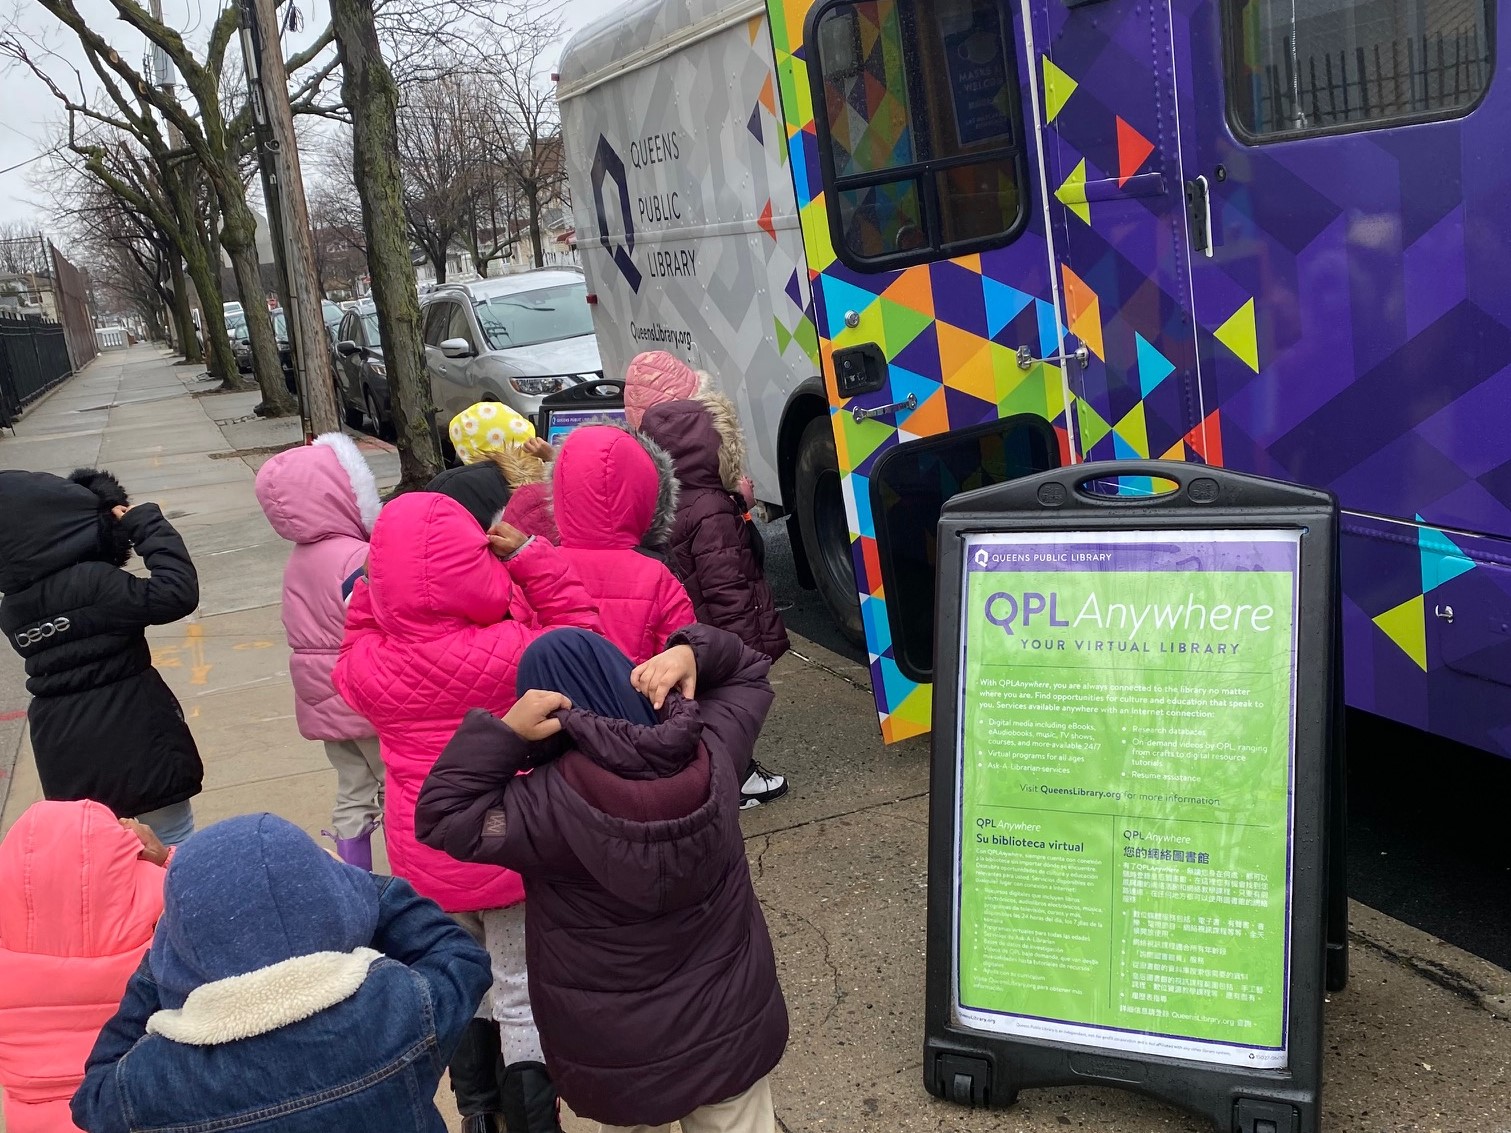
(615, 496)
(429, 637)
(324, 500)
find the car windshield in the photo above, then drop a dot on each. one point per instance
(527, 318)
(370, 329)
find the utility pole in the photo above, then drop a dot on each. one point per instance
(288, 215)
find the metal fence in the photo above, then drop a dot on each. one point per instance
(33, 359)
(1415, 75)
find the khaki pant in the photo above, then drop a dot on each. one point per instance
(359, 785)
(750, 1112)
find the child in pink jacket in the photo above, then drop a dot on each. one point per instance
(80, 894)
(324, 500)
(615, 496)
(429, 637)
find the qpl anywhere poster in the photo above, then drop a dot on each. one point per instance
(1124, 802)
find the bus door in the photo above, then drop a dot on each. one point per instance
(1355, 316)
(916, 167)
(1120, 226)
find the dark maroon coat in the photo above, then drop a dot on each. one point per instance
(709, 549)
(651, 971)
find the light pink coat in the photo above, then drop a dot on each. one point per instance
(429, 637)
(77, 911)
(323, 499)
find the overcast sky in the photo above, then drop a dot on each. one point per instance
(32, 117)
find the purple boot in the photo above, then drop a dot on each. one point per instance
(356, 851)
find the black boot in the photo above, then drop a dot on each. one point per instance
(474, 1077)
(529, 1098)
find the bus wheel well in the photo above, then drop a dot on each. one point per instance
(802, 409)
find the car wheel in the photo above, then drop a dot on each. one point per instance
(355, 418)
(382, 429)
(825, 529)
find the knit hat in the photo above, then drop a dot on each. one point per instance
(655, 377)
(488, 427)
(251, 892)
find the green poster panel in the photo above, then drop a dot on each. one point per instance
(1125, 766)
(1136, 800)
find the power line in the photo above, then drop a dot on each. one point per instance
(22, 164)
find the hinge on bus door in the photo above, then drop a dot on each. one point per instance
(1199, 212)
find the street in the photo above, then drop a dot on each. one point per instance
(1420, 1040)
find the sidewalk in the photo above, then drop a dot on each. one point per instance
(839, 863)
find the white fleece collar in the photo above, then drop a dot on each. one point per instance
(241, 1007)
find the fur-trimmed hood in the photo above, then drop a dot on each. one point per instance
(731, 439)
(613, 488)
(321, 490)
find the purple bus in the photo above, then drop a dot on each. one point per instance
(929, 244)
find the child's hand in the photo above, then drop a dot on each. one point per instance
(505, 539)
(120, 510)
(153, 849)
(531, 717)
(540, 448)
(677, 668)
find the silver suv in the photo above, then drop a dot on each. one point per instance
(514, 340)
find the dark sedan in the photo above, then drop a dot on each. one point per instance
(361, 376)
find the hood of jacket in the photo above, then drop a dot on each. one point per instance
(313, 492)
(613, 489)
(52, 523)
(251, 892)
(731, 439)
(686, 430)
(663, 864)
(72, 884)
(430, 569)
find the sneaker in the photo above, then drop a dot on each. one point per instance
(761, 787)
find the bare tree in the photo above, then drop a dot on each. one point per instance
(369, 90)
(23, 250)
(216, 145)
(438, 156)
(527, 125)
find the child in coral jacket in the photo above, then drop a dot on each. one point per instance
(80, 894)
(324, 500)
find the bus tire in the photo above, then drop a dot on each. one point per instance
(825, 529)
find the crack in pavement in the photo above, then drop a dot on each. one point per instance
(842, 814)
(817, 664)
(828, 956)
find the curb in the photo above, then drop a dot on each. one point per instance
(1486, 985)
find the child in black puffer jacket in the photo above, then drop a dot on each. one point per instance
(104, 725)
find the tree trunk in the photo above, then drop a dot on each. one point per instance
(439, 263)
(537, 245)
(307, 318)
(368, 88)
(183, 318)
(238, 236)
(222, 361)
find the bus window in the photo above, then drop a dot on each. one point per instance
(1333, 65)
(909, 487)
(919, 133)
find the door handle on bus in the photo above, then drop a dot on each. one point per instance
(882, 410)
(1027, 361)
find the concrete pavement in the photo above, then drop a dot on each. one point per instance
(1419, 1042)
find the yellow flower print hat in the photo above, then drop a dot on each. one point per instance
(488, 427)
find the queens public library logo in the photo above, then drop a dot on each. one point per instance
(608, 164)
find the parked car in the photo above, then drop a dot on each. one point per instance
(241, 347)
(514, 340)
(332, 315)
(361, 376)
